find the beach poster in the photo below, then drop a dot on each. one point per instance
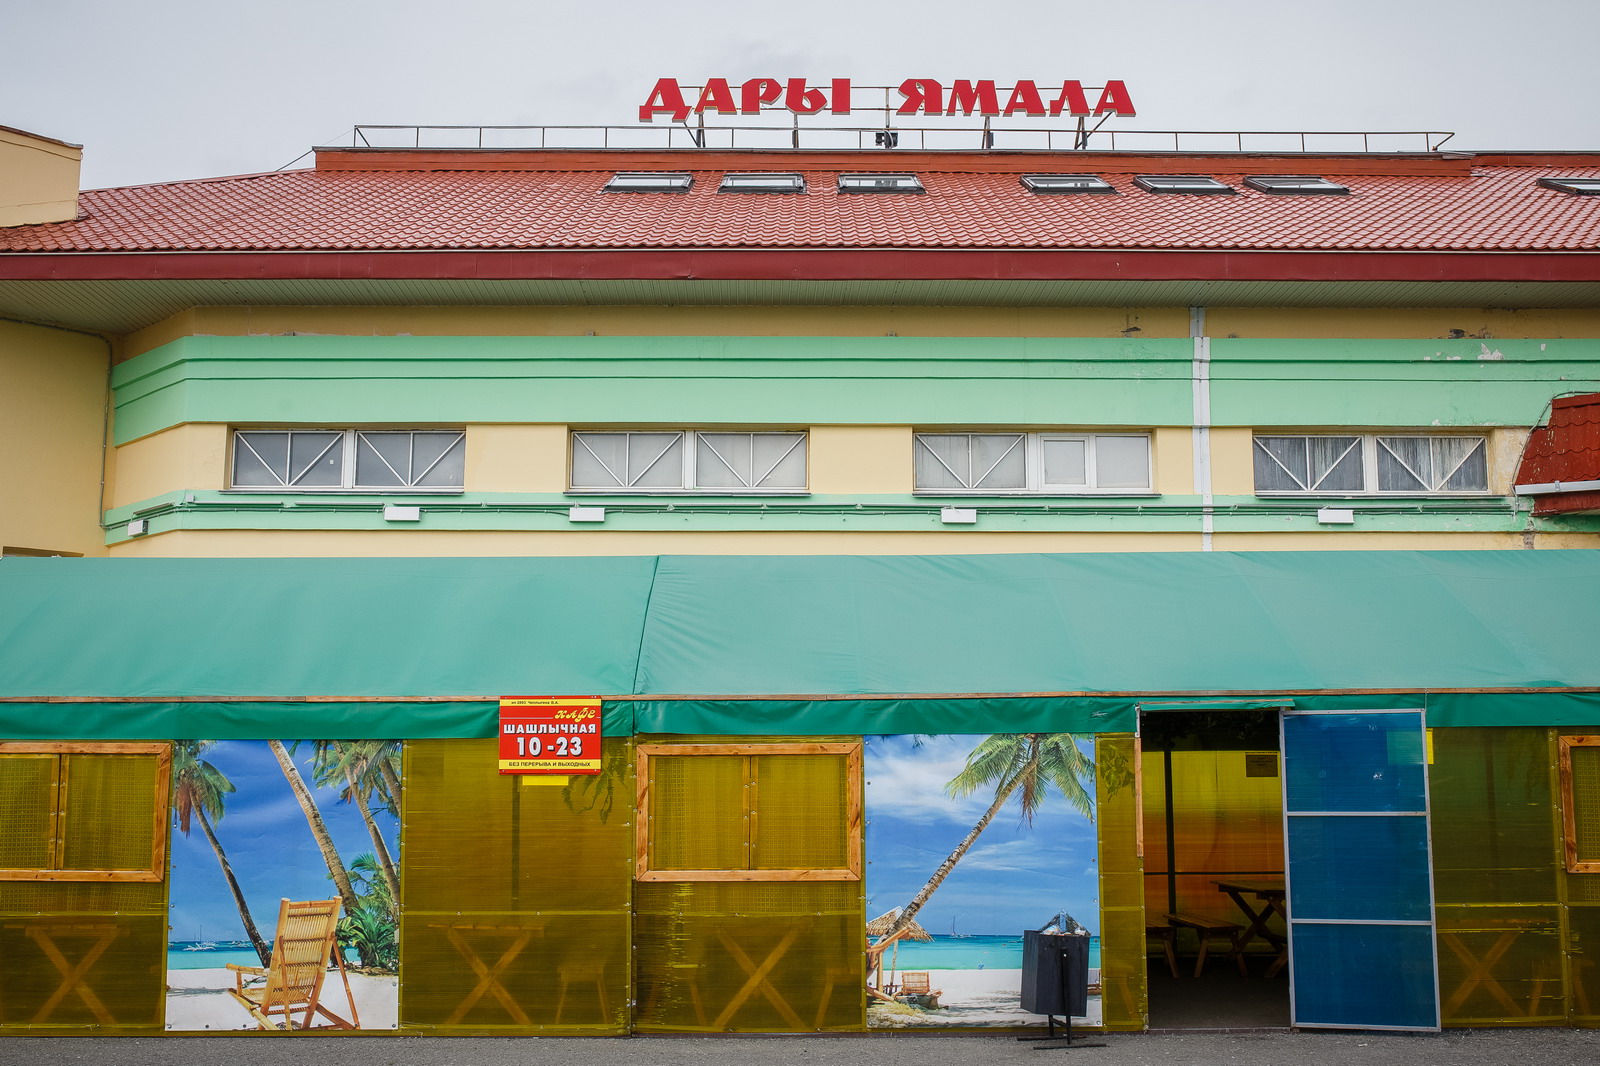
(979, 838)
(260, 822)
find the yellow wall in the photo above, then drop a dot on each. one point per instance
(52, 432)
(38, 179)
(1402, 322)
(398, 543)
(909, 321)
(1354, 540)
(634, 321)
(516, 458)
(193, 456)
(860, 459)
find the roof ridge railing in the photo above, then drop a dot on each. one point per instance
(987, 137)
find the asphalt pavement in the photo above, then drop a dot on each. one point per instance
(1474, 1047)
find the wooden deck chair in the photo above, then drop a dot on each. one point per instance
(306, 932)
(915, 984)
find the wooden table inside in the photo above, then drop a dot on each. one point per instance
(470, 939)
(95, 937)
(1273, 896)
(1460, 936)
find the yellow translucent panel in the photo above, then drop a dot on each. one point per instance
(1583, 960)
(800, 802)
(750, 957)
(1586, 802)
(1224, 820)
(699, 813)
(1500, 965)
(1124, 1002)
(27, 811)
(1495, 821)
(83, 972)
(109, 811)
(516, 894)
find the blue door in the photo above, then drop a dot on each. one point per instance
(1359, 875)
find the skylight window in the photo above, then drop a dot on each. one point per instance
(1577, 186)
(649, 181)
(1193, 184)
(1296, 185)
(880, 183)
(762, 183)
(1066, 183)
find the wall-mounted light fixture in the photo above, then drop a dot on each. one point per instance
(138, 527)
(958, 516)
(1336, 516)
(586, 514)
(400, 512)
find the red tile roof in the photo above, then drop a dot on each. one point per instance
(1482, 206)
(1565, 450)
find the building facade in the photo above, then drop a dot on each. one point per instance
(1159, 488)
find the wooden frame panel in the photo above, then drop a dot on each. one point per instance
(1569, 812)
(157, 870)
(853, 822)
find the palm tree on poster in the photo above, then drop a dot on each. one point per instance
(1028, 765)
(319, 831)
(197, 791)
(363, 770)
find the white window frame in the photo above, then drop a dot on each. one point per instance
(1368, 444)
(1033, 464)
(687, 484)
(347, 475)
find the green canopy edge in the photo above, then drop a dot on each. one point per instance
(255, 720)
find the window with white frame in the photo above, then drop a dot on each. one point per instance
(1366, 463)
(335, 460)
(709, 461)
(1044, 463)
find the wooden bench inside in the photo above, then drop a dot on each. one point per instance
(1209, 929)
(1169, 938)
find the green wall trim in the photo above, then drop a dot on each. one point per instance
(871, 513)
(422, 380)
(1455, 383)
(1010, 381)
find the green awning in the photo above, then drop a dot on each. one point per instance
(1000, 643)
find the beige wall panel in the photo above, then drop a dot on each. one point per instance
(190, 323)
(52, 433)
(1505, 456)
(516, 458)
(860, 459)
(1172, 460)
(1232, 462)
(1327, 540)
(644, 321)
(192, 456)
(1401, 322)
(386, 543)
(38, 179)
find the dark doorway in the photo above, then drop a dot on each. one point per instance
(1213, 812)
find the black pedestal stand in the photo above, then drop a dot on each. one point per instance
(1055, 1036)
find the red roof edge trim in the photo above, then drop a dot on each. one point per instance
(818, 264)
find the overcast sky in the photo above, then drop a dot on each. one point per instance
(162, 90)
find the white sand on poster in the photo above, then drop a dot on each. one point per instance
(197, 1000)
